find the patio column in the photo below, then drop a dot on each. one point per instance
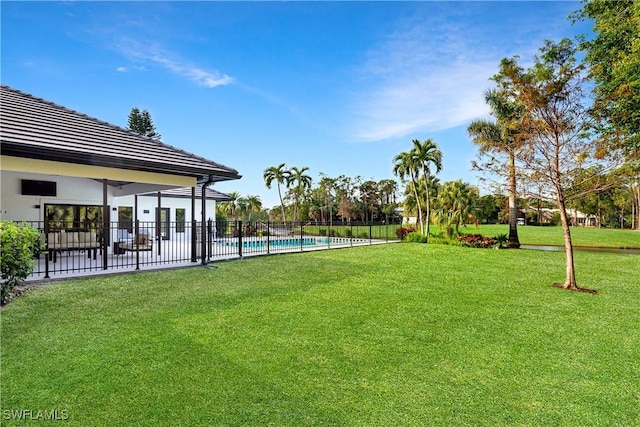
(203, 242)
(158, 218)
(194, 231)
(136, 232)
(105, 224)
(204, 218)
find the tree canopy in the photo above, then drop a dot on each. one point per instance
(141, 123)
(613, 58)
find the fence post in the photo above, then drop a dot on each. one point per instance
(239, 227)
(301, 241)
(137, 242)
(370, 234)
(351, 233)
(268, 236)
(209, 237)
(194, 238)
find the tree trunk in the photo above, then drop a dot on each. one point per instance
(513, 242)
(284, 219)
(428, 213)
(637, 206)
(415, 192)
(570, 280)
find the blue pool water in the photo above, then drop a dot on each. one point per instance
(292, 242)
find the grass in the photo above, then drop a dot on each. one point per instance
(581, 236)
(402, 334)
(528, 235)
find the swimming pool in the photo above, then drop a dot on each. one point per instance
(292, 242)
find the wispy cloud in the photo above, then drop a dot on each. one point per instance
(420, 80)
(429, 75)
(151, 53)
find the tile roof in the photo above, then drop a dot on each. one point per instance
(35, 128)
(185, 192)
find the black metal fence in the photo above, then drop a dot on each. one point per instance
(68, 248)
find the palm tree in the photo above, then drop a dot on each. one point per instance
(455, 203)
(230, 208)
(427, 153)
(234, 208)
(301, 182)
(405, 165)
(499, 137)
(253, 204)
(281, 175)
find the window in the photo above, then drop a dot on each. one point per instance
(180, 220)
(125, 218)
(73, 217)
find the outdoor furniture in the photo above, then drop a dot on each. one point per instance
(72, 241)
(140, 242)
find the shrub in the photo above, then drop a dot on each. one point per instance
(322, 231)
(18, 244)
(416, 238)
(402, 232)
(501, 239)
(348, 232)
(476, 241)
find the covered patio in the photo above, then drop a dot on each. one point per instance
(67, 174)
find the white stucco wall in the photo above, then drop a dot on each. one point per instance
(73, 191)
(147, 210)
(76, 191)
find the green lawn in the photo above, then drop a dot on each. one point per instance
(581, 236)
(402, 334)
(528, 235)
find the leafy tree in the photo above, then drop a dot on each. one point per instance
(327, 192)
(281, 175)
(489, 207)
(501, 137)
(554, 121)
(387, 190)
(369, 197)
(425, 154)
(141, 123)
(613, 57)
(455, 205)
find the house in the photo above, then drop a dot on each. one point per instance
(65, 171)
(576, 218)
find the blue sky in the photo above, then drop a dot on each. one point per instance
(340, 87)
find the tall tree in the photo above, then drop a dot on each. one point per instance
(404, 164)
(387, 189)
(613, 57)
(501, 138)
(455, 204)
(253, 204)
(554, 121)
(231, 207)
(141, 123)
(427, 153)
(281, 175)
(300, 182)
(369, 197)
